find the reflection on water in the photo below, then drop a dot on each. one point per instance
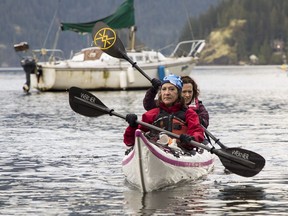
(243, 198)
(56, 162)
(175, 199)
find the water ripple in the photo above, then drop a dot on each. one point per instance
(56, 162)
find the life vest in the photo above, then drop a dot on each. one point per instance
(173, 122)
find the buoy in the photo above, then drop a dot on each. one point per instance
(161, 72)
(131, 76)
(284, 67)
(123, 80)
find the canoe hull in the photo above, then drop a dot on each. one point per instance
(149, 168)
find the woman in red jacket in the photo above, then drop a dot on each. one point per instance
(190, 92)
(170, 114)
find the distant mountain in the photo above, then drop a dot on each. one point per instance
(159, 22)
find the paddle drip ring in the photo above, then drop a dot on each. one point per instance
(111, 111)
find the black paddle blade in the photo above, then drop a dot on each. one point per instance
(239, 168)
(106, 39)
(84, 103)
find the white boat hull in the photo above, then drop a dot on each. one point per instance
(92, 69)
(149, 168)
(93, 76)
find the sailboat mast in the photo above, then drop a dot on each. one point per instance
(132, 37)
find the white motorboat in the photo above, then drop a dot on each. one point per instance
(48, 70)
(95, 70)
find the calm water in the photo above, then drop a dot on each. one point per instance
(56, 162)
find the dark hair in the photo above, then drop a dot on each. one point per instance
(196, 91)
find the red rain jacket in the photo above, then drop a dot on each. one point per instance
(192, 121)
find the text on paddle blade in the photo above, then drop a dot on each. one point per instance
(240, 154)
(88, 97)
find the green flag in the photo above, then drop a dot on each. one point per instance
(122, 18)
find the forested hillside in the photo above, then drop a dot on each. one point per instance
(243, 31)
(236, 31)
(159, 22)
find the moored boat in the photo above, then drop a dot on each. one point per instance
(149, 166)
(94, 70)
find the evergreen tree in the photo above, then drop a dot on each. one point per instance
(266, 24)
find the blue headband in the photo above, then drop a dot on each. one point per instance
(175, 80)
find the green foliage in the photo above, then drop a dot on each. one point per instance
(158, 23)
(267, 21)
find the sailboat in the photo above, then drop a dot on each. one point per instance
(93, 69)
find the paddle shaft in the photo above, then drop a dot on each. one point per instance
(228, 156)
(121, 50)
(219, 153)
(214, 138)
(134, 64)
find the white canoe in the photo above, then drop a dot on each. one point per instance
(150, 167)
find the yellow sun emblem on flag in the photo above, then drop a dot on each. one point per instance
(105, 38)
